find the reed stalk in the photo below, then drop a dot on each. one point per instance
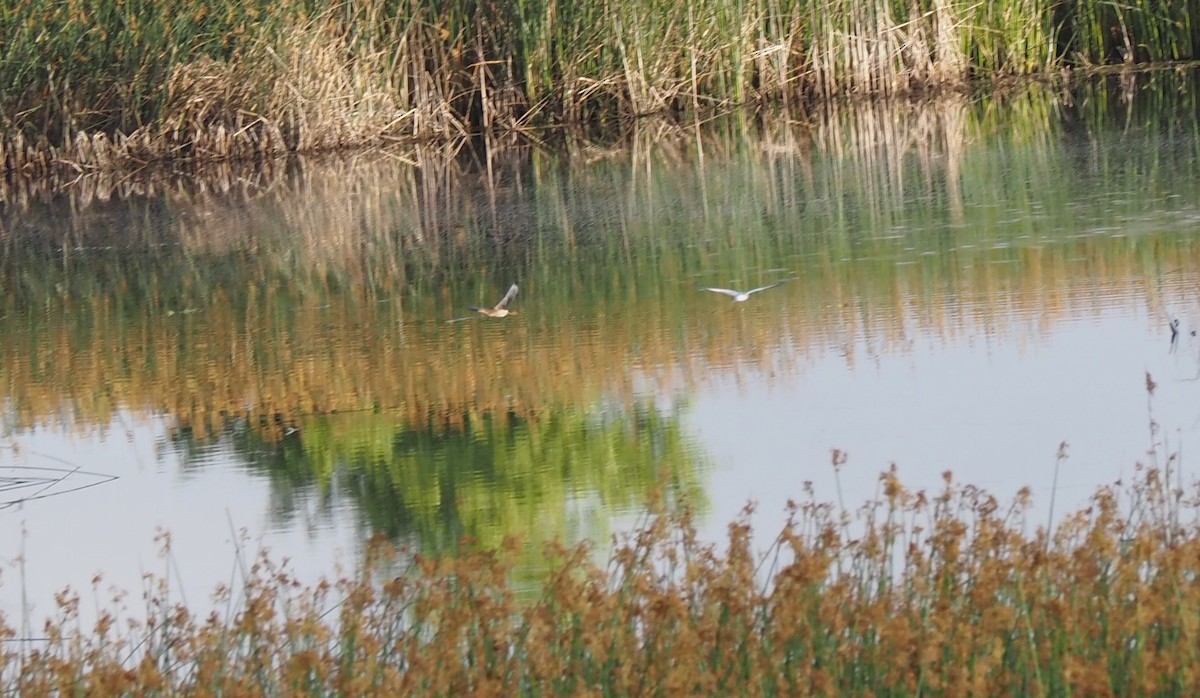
(111, 85)
(943, 592)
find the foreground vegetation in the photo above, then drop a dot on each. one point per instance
(114, 84)
(946, 593)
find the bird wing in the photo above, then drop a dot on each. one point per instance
(726, 291)
(763, 288)
(512, 293)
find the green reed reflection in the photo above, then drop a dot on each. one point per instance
(434, 484)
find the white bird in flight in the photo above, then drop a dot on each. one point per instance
(739, 296)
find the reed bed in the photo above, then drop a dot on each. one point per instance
(916, 593)
(112, 85)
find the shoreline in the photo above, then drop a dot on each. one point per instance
(29, 165)
(113, 87)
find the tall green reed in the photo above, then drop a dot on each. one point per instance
(231, 79)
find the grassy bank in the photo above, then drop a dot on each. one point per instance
(110, 85)
(941, 593)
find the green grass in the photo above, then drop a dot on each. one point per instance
(203, 80)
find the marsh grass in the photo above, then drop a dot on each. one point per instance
(112, 85)
(932, 593)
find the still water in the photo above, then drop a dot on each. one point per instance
(248, 361)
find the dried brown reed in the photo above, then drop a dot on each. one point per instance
(915, 593)
(308, 87)
(112, 86)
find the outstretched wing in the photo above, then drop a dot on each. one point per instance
(512, 293)
(726, 291)
(763, 288)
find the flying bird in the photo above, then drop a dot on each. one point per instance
(498, 310)
(739, 296)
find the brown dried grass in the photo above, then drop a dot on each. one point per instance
(117, 86)
(915, 593)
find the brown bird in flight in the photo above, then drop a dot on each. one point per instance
(499, 310)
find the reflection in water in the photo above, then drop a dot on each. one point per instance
(483, 477)
(21, 482)
(296, 324)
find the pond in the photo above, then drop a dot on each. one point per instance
(199, 368)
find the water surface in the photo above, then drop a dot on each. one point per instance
(265, 360)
